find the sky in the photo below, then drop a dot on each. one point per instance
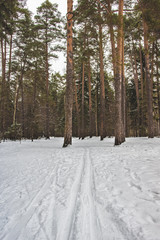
(33, 4)
(59, 64)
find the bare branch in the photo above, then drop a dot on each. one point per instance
(125, 10)
(103, 6)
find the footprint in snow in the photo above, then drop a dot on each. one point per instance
(136, 187)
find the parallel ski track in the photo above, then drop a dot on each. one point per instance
(82, 193)
(88, 202)
(68, 222)
(15, 231)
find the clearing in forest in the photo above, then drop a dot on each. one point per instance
(90, 190)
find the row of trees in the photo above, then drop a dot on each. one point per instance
(112, 80)
(28, 88)
(131, 36)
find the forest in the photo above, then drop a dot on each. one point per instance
(112, 82)
(107, 87)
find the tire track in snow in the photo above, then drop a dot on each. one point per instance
(15, 230)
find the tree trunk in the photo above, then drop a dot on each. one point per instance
(136, 78)
(69, 80)
(123, 95)
(96, 109)
(112, 39)
(158, 88)
(10, 60)
(118, 81)
(148, 83)
(22, 101)
(141, 63)
(142, 91)
(15, 103)
(7, 85)
(90, 98)
(3, 87)
(102, 87)
(47, 94)
(77, 107)
(33, 135)
(135, 73)
(47, 83)
(152, 66)
(82, 128)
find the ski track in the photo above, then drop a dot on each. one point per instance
(86, 224)
(87, 193)
(17, 227)
(67, 223)
(66, 187)
(81, 196)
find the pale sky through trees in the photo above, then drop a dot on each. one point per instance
(62, 5)
(59, 64)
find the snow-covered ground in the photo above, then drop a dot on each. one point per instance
(88, 191)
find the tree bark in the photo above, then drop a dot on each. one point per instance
(82, 128)
(135, 73)
(152, 66)
(118, 81)
(77, 107)
(142, 91)
(3, 87)
(158, 88)
(22, 101)
(112, 39)
(141, 63)
(47, 94)
(47, 83)
(33, 135)
(136, 78)
(123, 95)
(90, 98)
(96, 109)
(148, 83)
(10, 60)
(69, 80)
(102, 87)
(15, 103)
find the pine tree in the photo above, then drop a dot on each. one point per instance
(102, 86)
(21, 59)
(8, 12)
(48, 21)
(119, 131)
(69, 80)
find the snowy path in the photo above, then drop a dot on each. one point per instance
(85, 220)
(89, 191)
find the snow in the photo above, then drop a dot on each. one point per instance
(91, 190)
